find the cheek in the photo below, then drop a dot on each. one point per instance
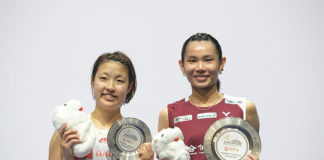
(122, 89)
(213, 68)
(97, 87)
(189, 68)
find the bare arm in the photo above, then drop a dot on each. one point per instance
(163, 119)
(252, 115)
(55, 149)
(253, 118)
(163, 122)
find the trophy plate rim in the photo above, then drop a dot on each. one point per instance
(231, 123)
(127, 122)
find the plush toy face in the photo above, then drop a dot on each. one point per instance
(74, 105)
(166, 136)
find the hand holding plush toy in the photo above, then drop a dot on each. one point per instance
(168, 143)
(71, 114)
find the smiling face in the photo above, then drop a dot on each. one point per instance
(111, 85)
(201, 64)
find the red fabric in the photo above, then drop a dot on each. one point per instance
(194, 130)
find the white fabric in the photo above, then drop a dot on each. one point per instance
(168, 143)
(240, 101)
(78, 120)
(100, 149)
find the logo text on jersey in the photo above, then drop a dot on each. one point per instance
(182, 118)
(226, 113)
(207, 115)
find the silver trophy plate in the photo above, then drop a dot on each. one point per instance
(126, 136)
(231, 138)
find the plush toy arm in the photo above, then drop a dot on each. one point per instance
(87, 139)
(182, 156)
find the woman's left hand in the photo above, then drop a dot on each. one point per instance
(251, 157)
(145, 152)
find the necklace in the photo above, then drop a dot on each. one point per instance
(203, 108)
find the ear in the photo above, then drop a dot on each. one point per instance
(92, 84)
(181, 66)
(130, 86)
(222, 64)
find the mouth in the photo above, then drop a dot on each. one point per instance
(201, 78)
(109, 97)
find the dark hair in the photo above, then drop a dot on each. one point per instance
(203, 37)
(123, 59)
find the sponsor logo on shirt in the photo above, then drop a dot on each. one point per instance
(207, 115)
(195, 150)
(103, 140)
(228, 101)
(101, 150)
(103, 154)
(182, 118)
(226, 113)
(192, 148)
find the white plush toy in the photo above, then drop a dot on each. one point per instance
(168, 143)
(71, 114)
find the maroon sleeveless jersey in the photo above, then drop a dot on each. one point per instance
(194, 121)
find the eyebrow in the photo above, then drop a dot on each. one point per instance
(206, 56)
(118, 76)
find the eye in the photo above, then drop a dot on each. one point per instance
(191, 60)
(120, 80)
(208, 59)
(162, 135)
(103, 78)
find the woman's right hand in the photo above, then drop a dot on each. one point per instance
(251, 157)
(68, 138)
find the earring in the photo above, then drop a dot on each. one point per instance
(184, 74)
(221, 71)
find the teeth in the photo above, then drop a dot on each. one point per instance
(110, 96)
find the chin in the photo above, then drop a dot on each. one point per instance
(110, 107)
(108, 104)
(202, 86)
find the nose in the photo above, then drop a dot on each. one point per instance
(110, 86)
(200, 67)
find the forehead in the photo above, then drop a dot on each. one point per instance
(201, 48)
(113, 68)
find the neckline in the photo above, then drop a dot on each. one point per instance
(99, 128)
(218, 101)
(208, 107)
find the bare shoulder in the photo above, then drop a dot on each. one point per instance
(55, 147)
(163, 119)
(250, 106)
(252, 115)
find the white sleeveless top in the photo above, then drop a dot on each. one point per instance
(100, 150)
